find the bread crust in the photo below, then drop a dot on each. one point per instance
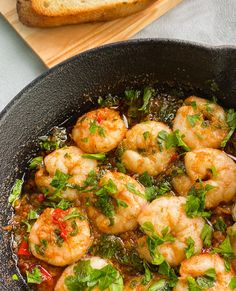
(29, 17)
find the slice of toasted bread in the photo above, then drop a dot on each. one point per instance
(115, 9)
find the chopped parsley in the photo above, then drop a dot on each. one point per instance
(94, 127)
(202, 282)
(231, 121)
(55, 140)
(154, 240)
(131, 188)
(146, 135)
(206, 235)
(147, 94)
(15, 192)
(99, 157)
(34, 277)
(32, 214)
(86, 277)
(40, 249)
(15, 277)
(225, 249)
(64, 204)
(74, 214)
(35, 163)
(192, 119)
(59, 181)
(220, 225)
(195, 205)
(189, 250)
(121, 167)
(175, 139)
(232, 283)
(166, 270)
(214, 171)
(147, 275)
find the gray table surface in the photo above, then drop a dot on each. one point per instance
(207, 21)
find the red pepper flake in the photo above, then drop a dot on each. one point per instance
(41, 197)
(57, 217)
(174, 158)
(99, 119)
(45, 274)
(24, 249)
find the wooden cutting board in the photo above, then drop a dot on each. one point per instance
(57, 44)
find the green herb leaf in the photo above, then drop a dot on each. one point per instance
(121, 203)
(206, 235)
(192, 119)
(99, 157)
(195, 205)
(15, 192)
(220, 225)
(55, 140)
(74, 214)
(131, 188)
(34, 277)
(147, 94)
(194, 105)
(192, 285)
(63, 204)
(35, 163)
(146, 179)
(208, 280)
(15, 277)
(189, 250)
(214, 171)
(160, 285)
(166, 270)
(232, 284)
(32, 214)
(93, 127)
(146, 135)
(147, 275)
(121, 167)
(59, 181)
(86, 277)
(168, 141)
(225, 249)
(231, 121)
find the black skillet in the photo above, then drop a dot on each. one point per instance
(64, 91)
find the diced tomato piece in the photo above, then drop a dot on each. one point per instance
(41, 197)
(24, 249)
(174, 158)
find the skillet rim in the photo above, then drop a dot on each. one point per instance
(118, 44)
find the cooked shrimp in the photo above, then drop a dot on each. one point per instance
(99, 131)
(67, 160)
(141, 150)
(168, 213)
(60, 237)
(129, 197)
(197, 266)
(83, 283)
(214, 168)
(202, 122)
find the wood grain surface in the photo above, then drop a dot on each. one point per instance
(58, 44)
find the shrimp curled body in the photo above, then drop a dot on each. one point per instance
(214, 168)
(141, 150)
(96, 263)
(58, 239)
(198, 265)
(202, 122)
(131, 194)
(99, 131)
(169, 213)
(67, 160)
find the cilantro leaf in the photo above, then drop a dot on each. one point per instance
(170, 140)
(192, 284)
(147, 275)
(32, 214)
(166, 270)
(145, 179)
(63, 204)
(15, 192)
(208, 280)
(160, 285)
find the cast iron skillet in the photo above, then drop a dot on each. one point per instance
(63, 91)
